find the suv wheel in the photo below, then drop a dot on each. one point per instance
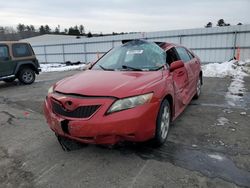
(8, 80)
(26, 76)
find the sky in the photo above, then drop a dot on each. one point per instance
(108, 16)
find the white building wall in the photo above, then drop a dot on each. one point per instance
(216, 44)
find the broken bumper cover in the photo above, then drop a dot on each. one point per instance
(136, 124)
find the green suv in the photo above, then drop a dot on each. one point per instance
(17, 60)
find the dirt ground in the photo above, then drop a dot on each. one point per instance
(208, 146)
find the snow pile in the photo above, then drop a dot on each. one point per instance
(60, 67)
(229, 68)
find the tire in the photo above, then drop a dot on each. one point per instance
(26, 76)
(198, 88)
(9, 80)
(68, 144)
(162, 123)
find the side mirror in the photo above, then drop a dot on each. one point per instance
(176, 65)
(89, 65)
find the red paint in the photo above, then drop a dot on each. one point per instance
(104, 87)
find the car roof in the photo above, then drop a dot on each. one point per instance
(163, 45)
(166, 45)
(12, 42)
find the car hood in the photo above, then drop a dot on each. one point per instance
(108, 83)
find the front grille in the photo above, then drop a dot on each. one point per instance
(80, 112)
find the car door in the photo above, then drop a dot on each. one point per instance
(195, 67)
(6, 66)
(180, 82)
(184, 56)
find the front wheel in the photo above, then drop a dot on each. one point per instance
(162, 123)
(26, 76)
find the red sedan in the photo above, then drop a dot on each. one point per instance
(132, 93)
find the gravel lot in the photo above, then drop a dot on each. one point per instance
(208, 146)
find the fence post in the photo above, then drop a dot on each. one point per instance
(180, 39)
(235, 45)
(45, 53)
(63, 51)
(85, 52)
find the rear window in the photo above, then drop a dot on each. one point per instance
(21, 50)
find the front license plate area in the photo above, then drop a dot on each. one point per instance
(65, 126)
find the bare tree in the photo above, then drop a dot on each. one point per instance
(81, 29)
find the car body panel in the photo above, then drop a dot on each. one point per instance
(108, 83)
(98, 87)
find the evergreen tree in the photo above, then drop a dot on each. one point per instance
(89, 35)
(47, 29)
(20, 27)
(209, 24)
(42, 29)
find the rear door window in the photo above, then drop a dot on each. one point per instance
(183, 54)
(21, 50)
(4, 52)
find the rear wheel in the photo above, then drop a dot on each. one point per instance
(8, 80)
(163, 123)
(26, 76)
(198, 88)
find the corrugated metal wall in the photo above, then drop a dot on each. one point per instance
(216, 44)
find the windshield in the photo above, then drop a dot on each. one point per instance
(136, 55)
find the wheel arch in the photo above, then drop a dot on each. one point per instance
(25, 64)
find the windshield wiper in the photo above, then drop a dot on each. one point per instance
(106, 69)
(132, 68)
(158, 68)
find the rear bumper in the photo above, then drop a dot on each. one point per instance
(136, 124)
(38, 70)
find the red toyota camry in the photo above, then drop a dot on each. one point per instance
(132, 93)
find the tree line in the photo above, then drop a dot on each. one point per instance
(46, 29)
(77, 30)
(220, 23)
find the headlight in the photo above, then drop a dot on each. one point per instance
(130, 102)
(51, 90)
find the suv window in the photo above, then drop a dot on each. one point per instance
(21, 50)
(4, 52)
(183, 54)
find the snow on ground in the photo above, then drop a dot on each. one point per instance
(235, 90)
(235, 69)
(54, 67)
(229, 68)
